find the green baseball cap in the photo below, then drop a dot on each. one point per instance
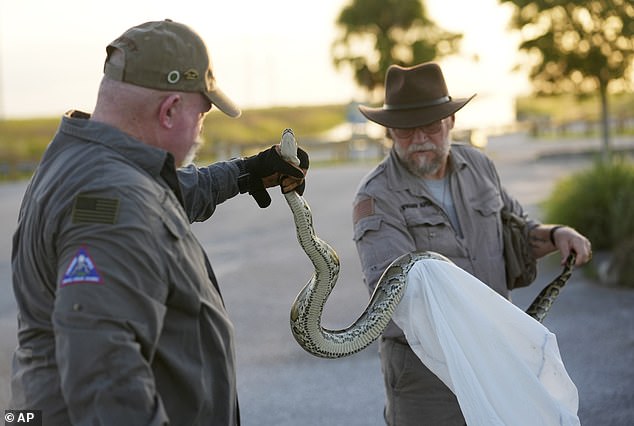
(166, 55)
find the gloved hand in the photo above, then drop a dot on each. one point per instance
(268, 169)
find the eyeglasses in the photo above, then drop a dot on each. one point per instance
(428, 129)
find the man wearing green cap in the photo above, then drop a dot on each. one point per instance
(431, 195)
(121, 321)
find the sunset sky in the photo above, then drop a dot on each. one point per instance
(264, 53)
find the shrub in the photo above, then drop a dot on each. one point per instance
(599, 203)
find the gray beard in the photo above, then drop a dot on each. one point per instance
(423, 168)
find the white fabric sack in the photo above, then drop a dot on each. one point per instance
(503, 366)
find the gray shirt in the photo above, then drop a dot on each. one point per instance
(120, 318)
(394, 213)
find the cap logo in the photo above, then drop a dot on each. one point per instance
(191, 74)
(173, 77)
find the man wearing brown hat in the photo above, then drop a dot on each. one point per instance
(429, 194)
(121, 321)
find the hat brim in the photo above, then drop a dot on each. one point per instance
(218, 98)
(414, 117)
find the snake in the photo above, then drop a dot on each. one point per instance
(307, 308)
(542, 303)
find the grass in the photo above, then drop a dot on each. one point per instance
(260, 128)
(25, 139)
(264, 126)
(22, 142)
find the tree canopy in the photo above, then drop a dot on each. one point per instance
(580, 47)
(375, 34)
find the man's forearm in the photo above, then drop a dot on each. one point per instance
(541, 239)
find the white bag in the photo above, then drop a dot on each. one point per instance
(503, 366)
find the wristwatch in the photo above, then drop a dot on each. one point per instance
(243, 176)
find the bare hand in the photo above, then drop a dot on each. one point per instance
(568, 239)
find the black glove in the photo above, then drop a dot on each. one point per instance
(304, 162)
(265, 164)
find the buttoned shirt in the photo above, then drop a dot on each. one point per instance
(120, 318)
(395, 213)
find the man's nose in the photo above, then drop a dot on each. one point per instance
(419, 135)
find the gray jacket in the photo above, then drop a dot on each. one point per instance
(120, 318)
(394, 214)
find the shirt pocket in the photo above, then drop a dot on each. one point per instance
(425, 216)
(487, 203)
(430, 229)
(486, 223)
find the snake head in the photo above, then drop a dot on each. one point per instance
(288, 147)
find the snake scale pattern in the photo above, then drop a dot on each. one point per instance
(545, 299)
(307, 309)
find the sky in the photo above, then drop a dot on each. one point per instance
(264, 53)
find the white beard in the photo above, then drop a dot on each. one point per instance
(422, 166)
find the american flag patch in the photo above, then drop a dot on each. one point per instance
(363, 208)
(95, 210)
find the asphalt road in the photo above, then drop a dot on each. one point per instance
(261, 269)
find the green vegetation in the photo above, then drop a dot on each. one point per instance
(25, 140)
(581, 47)
(264, 126)
(599, 202)
(22, 142)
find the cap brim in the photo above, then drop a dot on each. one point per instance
(415, 117)
(223, 103)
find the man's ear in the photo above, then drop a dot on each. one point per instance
(452, 120)
(168, 108)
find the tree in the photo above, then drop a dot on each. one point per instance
(378, 33)
(581, 46)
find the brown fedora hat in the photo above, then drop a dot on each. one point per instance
(414, 97)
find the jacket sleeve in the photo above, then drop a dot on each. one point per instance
(109, 311)
(204, 188)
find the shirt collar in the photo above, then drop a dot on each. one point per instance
(157, 162)
(149, 158)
